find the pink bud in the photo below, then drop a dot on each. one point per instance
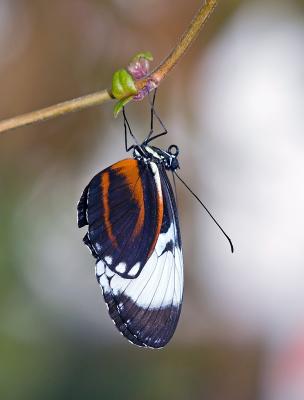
(139, 68)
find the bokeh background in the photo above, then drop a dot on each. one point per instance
(235, 107)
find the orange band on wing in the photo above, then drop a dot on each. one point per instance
(130, 171)
(105, 184)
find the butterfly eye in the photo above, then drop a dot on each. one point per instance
(173, 150)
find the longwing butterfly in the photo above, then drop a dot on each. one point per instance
(134, 235)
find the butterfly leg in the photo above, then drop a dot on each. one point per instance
(150, 137)
(127, 129)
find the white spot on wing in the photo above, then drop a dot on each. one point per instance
(98, 247)
(100, 268)
(121, 267)
(133, 271)
(108, 260)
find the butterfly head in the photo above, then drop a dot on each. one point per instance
(167, 158)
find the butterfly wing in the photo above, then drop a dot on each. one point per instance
(146, 309)
(123, 208)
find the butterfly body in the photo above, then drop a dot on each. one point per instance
(133, 233)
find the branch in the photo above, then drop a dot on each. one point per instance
(184, 43)
(142, 85)
(65, 107)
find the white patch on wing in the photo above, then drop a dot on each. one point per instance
(179, 274)
(167, 285)
(163, 239)
(100, 268)
(133, 271)
(121, 267)
(109, 273)
(98, 247)
(150, 297)
(104, 283)
(108, 260)
(160, 283)
(155, 171)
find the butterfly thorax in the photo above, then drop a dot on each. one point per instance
(154, 154)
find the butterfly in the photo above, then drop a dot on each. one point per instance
(133, 233)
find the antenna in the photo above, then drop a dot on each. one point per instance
(206, 209)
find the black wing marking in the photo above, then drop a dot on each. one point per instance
(123, 207)
(146, 309)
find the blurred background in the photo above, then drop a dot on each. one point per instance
(234, 106)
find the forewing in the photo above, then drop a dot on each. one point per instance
(123, 208)
(146, 309)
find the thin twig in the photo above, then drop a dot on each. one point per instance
(102, 96)
(184, 43)
(65, 107)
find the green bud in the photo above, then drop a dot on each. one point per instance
(120, 104)
(147, 55)
(123, 85)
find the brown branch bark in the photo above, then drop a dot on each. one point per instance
(102, 96)
(184, 43)
(65, 107)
